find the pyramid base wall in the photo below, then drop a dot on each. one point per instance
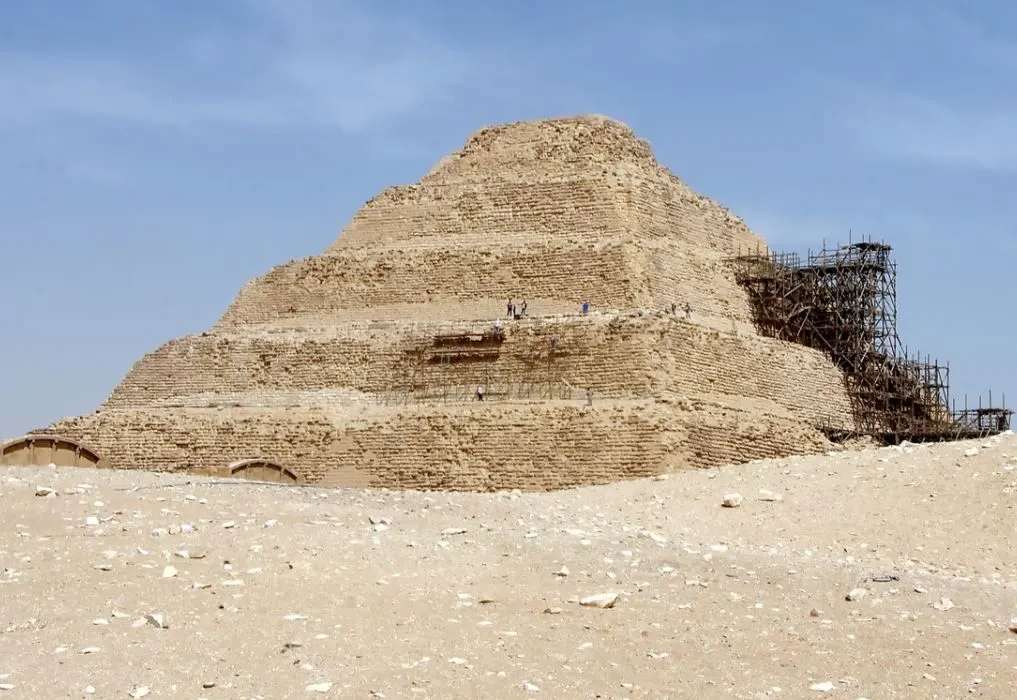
(465, 447)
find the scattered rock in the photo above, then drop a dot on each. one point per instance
(824, 687)
(656, 537)
(733, 500)
(187, 554)
(943, 604)
(856, 594)
(140, 691)
(971, 452)
(765, 495)
(884, 578)
(169, 572)
(45, 492)
(599, 600)
(319, 687)
(156, 620)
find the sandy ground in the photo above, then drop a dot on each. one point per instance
(267, 591)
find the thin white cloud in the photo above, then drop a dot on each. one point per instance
(800, 231)
(965, 118)
(952, 35)
(684, 45)
(38, 87)
(313, 64)
(922, 129)
(785, 232)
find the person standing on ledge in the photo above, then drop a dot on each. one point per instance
(480, 392)
(589, 397)
(688, 312)
(586, 307)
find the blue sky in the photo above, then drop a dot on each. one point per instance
(157, 155)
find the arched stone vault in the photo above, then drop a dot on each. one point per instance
(263, 470)
(44, 450)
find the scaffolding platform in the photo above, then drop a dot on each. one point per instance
(843, 301)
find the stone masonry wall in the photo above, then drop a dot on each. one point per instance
(559, 274)
(633, 357)
(205, 440)
(652, 201)
(530, 446)
(705, 281)
(378, 362)
(551, 446)
(693, 360)
(657, 210)
(493, 213)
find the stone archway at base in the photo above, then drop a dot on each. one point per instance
(44, 450)
(263, 470)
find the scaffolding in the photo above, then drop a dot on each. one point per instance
(843, 301)
(983, 420)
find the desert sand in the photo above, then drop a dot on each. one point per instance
(131, 584)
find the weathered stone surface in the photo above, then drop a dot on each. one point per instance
(328, 366)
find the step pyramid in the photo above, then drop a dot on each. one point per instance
(359, 366)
